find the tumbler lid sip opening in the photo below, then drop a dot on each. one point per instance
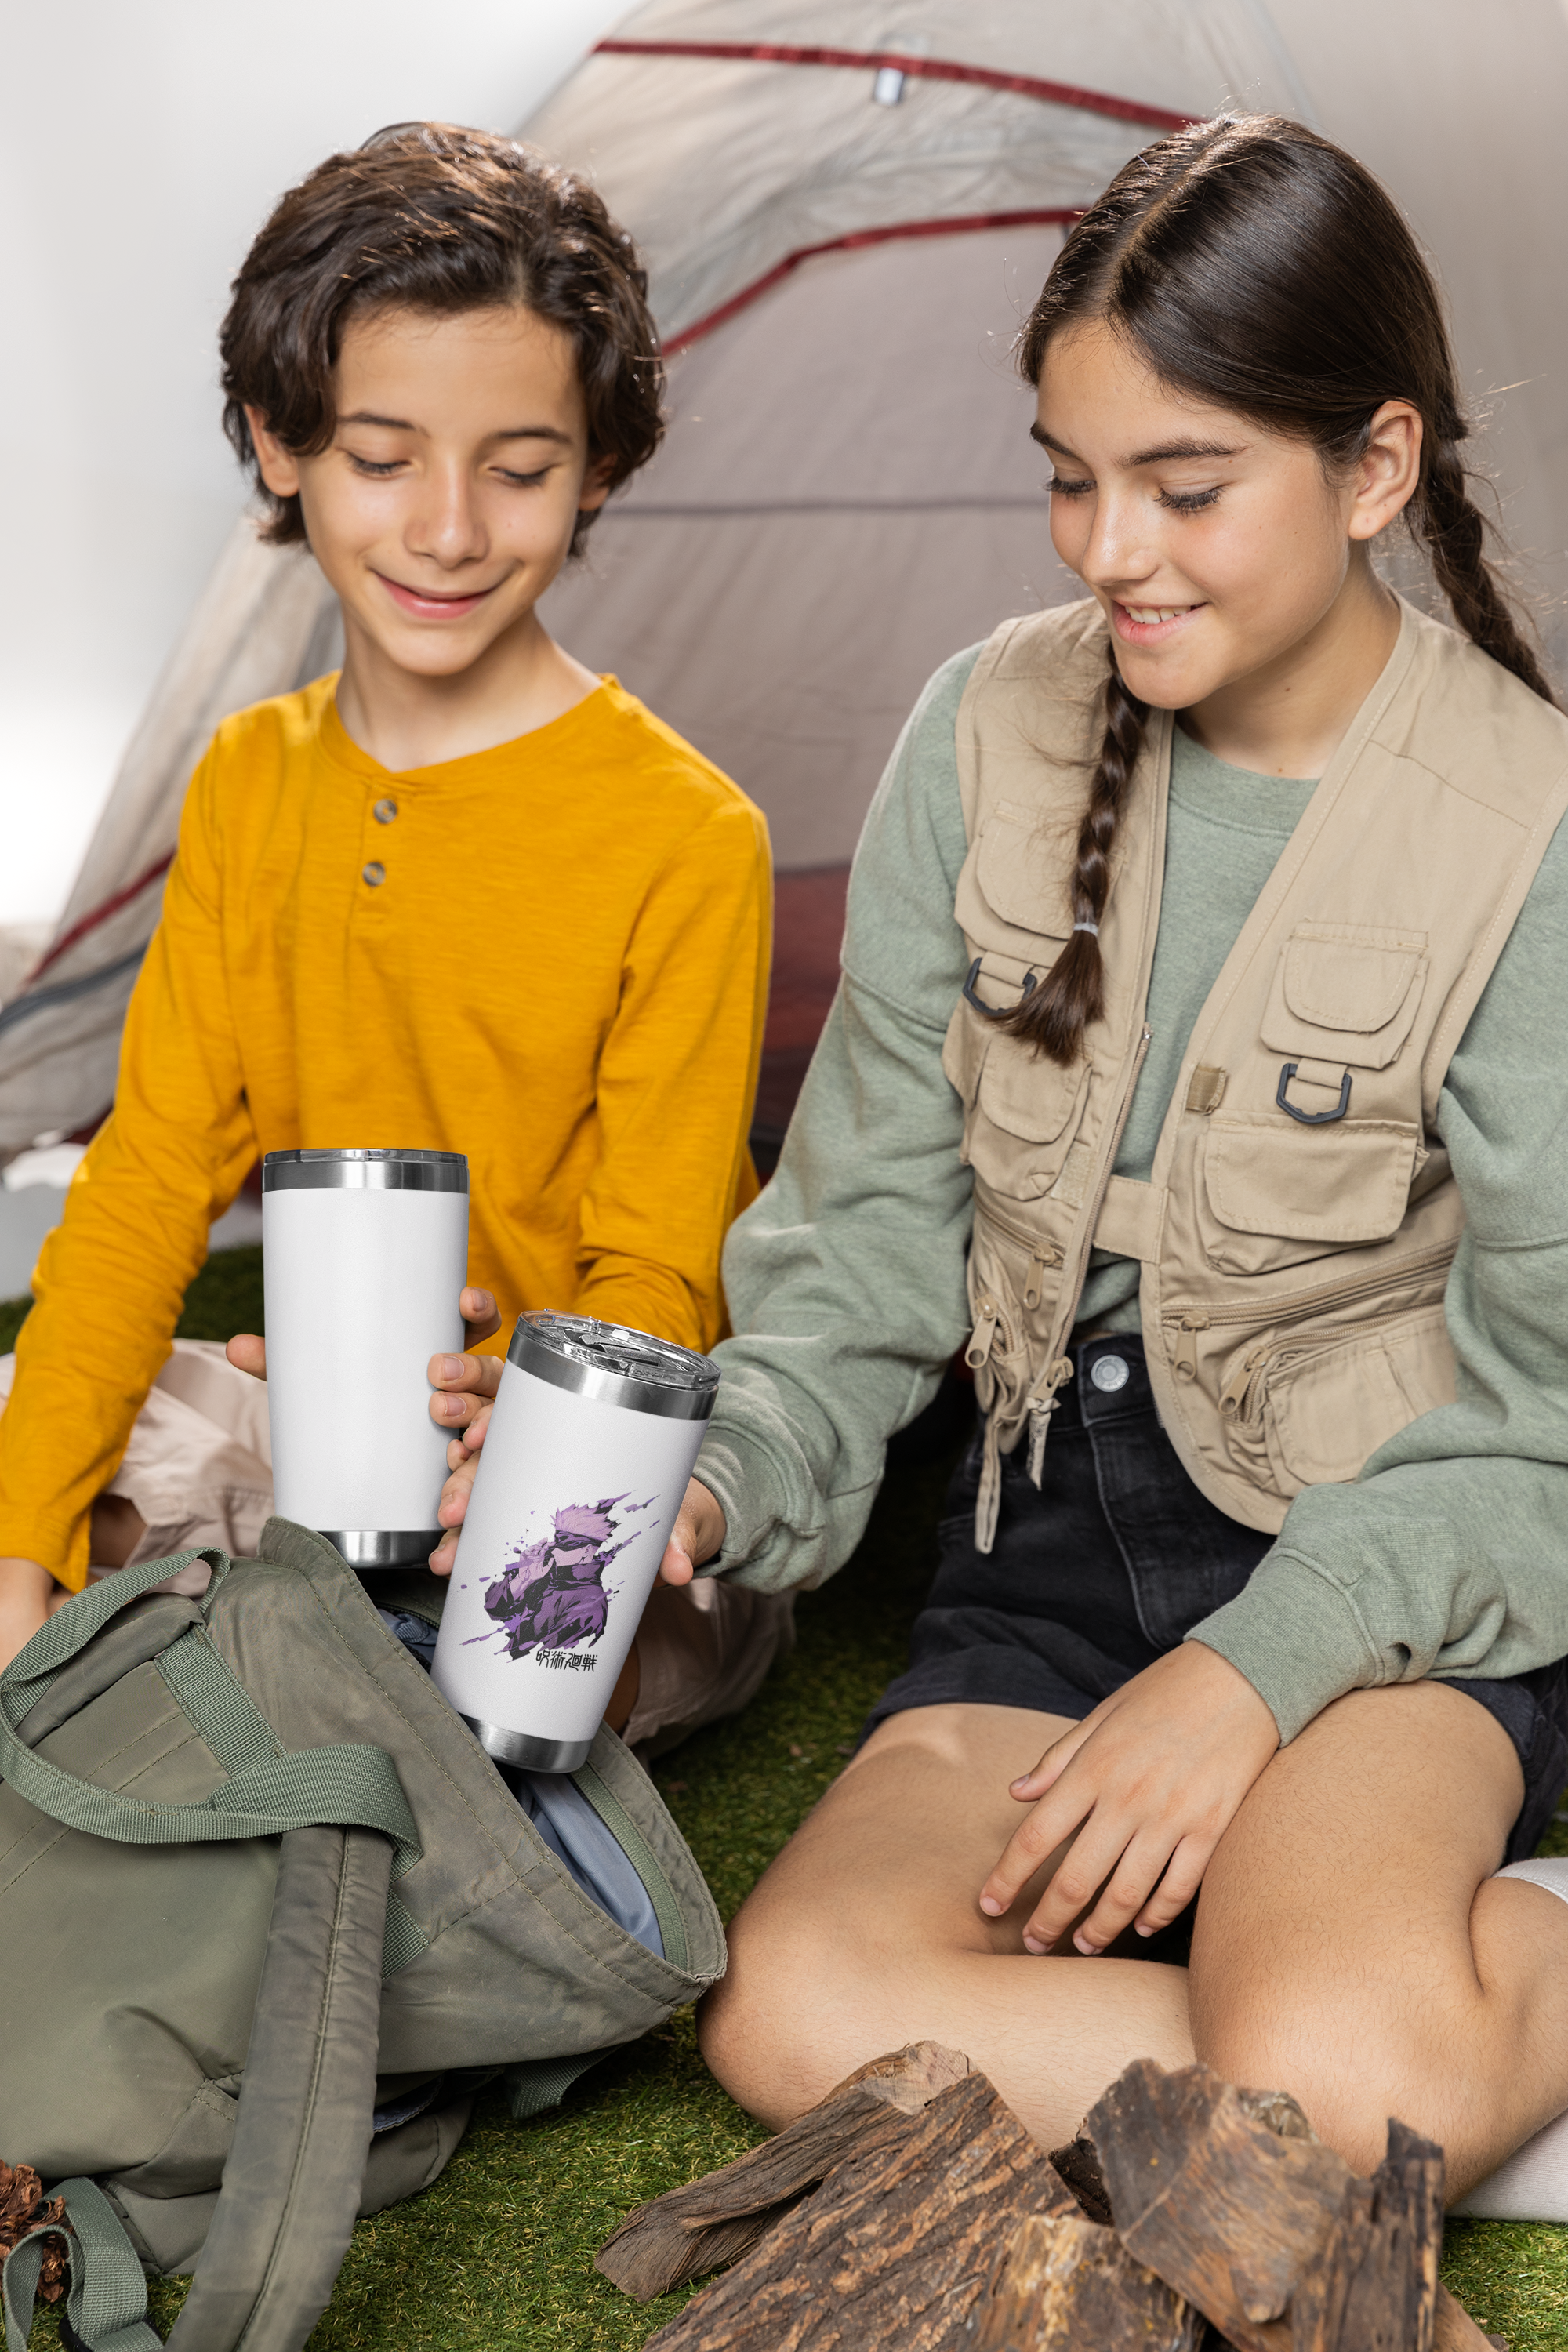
(365, 1170)
(610, 1363)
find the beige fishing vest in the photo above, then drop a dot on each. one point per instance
(1296, 1236)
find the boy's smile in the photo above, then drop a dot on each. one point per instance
(441, 512)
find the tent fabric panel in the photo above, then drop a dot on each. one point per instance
(1180, 56)
(906, 64)
(799, 696)
(881, 376)
(657, 132)
(861, 433)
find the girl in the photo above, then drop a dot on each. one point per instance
(1199, 1065)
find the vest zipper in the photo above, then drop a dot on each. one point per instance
(1241, 1398)
(1046, 1254)
(983, 1338)
(1292, 1309)
(1184, 1363)
(1040, 1409)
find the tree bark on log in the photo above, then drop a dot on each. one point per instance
(893, 2250)
(1373, 2285)
(1066, 2284)
(1209, 2192)
(1078, 2165)
(716, 2220)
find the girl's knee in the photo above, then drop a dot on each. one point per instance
(1348, 2075)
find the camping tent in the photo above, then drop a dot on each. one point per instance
(846, 209)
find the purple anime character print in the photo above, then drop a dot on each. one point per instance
(552, 1594)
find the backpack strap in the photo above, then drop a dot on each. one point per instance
(292, 2185)
(353, 1786)
(106, 2310)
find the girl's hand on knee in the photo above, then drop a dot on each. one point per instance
(697, 1534)
(1145, 1788)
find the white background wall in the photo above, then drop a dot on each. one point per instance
(144, 142)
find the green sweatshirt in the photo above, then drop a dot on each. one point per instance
(846, 1279)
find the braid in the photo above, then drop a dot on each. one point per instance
(1444, 515)
(1054, 1014)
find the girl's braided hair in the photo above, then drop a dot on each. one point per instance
(428, 217)
(1260, 268)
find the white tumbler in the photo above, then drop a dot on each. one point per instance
(365, 1256)
(592, 1438)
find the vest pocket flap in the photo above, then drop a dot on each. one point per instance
(1348, 1183)
(1029, 1095)
(1345, 993)
(1329, 1409)
(1023, 868)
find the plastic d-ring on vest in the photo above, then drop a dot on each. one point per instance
(995, 1011)
(1312, 1117)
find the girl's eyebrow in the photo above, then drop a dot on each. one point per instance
(1162, 456)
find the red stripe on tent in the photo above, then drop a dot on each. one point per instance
(90, 922)
(959, 226)
(1051, 93)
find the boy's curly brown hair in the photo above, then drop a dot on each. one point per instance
(429, 217)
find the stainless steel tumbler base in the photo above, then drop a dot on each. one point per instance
(533, 1754)
(383, 1547)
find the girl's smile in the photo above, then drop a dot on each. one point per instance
(1145, 625)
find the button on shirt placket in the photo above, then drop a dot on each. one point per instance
(374, 873)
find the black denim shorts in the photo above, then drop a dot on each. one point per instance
(1110, 1562)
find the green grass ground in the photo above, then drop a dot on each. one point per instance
(497, 2256)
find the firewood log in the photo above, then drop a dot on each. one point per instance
(1373, 2287)
(893, 2250)
(1208, 2192)
(1078, 2166)
(714, 2221)
(1067, 2283)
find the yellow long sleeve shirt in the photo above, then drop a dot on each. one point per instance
(552, 956)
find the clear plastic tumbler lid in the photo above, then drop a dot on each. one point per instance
(609, 1363)
(387, 1170)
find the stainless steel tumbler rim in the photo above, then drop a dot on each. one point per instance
(390, 1171)
(383, 1547)
(609, 1363)
(533, 1755)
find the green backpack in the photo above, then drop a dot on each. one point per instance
(270, 1917)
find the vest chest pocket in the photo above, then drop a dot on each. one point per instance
(1277, 1190)
(1342, 993)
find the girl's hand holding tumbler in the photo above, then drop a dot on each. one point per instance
(590, 1445)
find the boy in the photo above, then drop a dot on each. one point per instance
(467, 896)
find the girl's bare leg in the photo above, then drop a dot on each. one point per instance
(1353, 1947)
(867, 1933)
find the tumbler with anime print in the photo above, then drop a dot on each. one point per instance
(593, 1437)
(365, 1256)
